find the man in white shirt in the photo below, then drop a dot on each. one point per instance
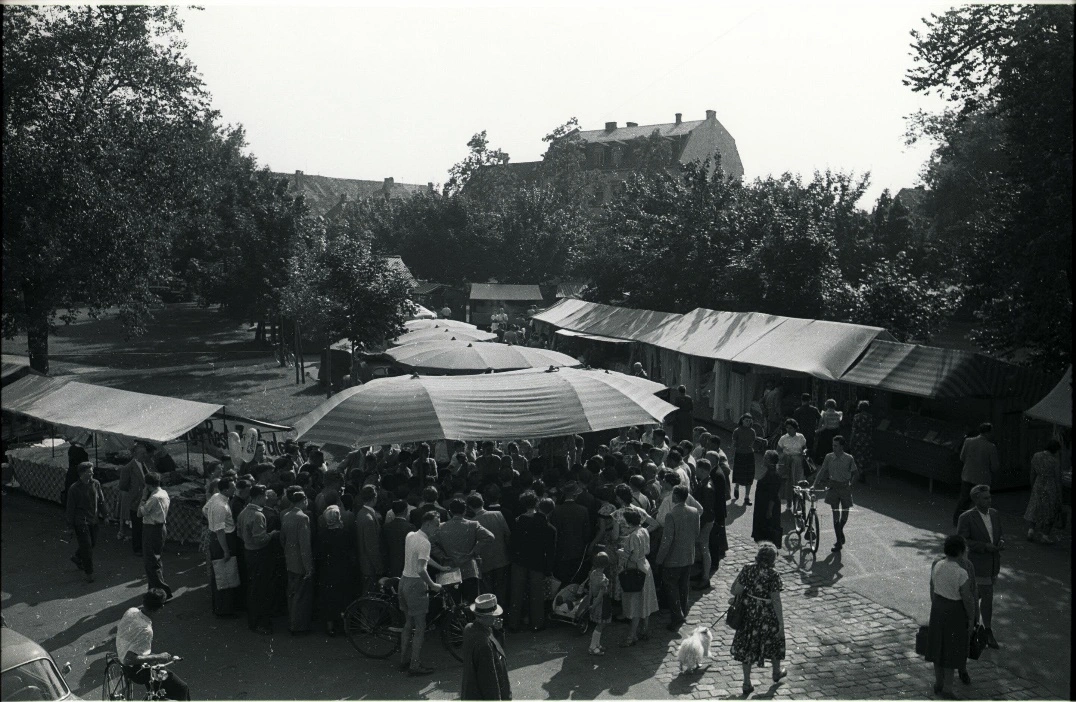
(134, 646)
(153, 509)
(223, 544)
(414, 599)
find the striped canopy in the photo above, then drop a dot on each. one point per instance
(457, 357)
(443, 334)
(419, 324)
(488, 406)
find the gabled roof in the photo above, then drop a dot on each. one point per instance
(323, 193)
(427, 288)
(506, 292)
(397, 264)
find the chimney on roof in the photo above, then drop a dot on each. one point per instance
(610, 126)
(298, 180)
(429, 186)
(679, 117)
(386, 187)
(711, 114)
(631, 124)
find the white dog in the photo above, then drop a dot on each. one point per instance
(695, 649)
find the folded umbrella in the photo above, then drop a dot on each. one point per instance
(456, 357)
(474, 407)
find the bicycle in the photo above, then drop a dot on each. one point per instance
(117, 686)
(806, 517)
(373, 623)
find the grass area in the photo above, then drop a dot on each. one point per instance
(186, 352)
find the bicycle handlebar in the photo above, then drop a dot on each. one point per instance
(162, 665)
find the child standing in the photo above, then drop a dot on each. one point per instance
(601, 603)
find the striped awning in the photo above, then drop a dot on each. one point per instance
(1056, 407)
(927, 371)
(475, 407)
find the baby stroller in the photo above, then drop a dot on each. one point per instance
(571, 605)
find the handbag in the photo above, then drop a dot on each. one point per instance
(921, 638)
(735, 614)
(632, 580)
(977, 642)
(226, 573)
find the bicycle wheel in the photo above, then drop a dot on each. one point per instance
(114, 686)
(798, 510)
(452, 625)
(373, 626)
(813, 532)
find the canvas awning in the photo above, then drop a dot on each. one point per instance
(591, 337)
(97, 408)
(606, 320)
(14, 367)
(1056, 407)
(505, 292)
(818, 348)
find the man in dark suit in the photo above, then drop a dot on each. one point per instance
(393, 535)
(981, 528)
(368, 529)
(572, 521)
(677, 554)
(485, 669)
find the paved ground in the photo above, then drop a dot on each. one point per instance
(851, 623)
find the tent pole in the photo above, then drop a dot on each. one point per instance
(187, 443)
(52, 439)
(95, 466)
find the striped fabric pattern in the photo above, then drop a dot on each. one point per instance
(420, 324)
(475, 407)
(443, 334)
(468, 357)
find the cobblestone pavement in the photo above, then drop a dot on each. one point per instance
(839, 646)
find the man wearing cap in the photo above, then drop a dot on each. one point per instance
(485, 668)
(85, 507)
(413, 594)
(981, 529)
(299, 560)
(253, 532)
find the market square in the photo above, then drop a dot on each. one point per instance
(691, 406)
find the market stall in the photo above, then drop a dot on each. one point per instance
(464, 357)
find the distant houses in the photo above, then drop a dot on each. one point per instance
(327, 196)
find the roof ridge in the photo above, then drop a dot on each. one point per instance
(657, 124)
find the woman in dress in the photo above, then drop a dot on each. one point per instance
(1044, 507)
(333, 566)
(766, 519)
(743, 461)
(952, 615)
(791, 446)
(624, 502)
(638, 606)
(861, 444)
(761, 637)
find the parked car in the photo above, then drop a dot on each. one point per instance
(27, 671)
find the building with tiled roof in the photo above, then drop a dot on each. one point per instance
(327, 196)
(613, 153)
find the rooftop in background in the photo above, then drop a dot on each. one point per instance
(505, 292)
(396, 263)
(325, 195)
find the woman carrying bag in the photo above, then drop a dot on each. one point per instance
(637, 605)
(760, 636)
(952, 616)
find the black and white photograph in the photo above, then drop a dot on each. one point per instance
(547, 350)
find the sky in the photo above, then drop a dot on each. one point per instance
(359, 91)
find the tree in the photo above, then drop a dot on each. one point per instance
(910, 307)
(476, 162)
(1010, 65)
(101, 112)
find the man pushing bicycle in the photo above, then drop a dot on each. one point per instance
(134, 646)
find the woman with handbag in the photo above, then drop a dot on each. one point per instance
(624, 503)
(639, 597)
(760, 635)
(952, 616)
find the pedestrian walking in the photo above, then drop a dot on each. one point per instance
(766, 516)
(676, 555)
(708, 496)
(299, 560)
(76, 456)
(485, 668)
(952, 616)
(743, 458)
(981, 463)
(252, 528)
(761, 636)
(637, 606)
(981, 529)
(1043, 512)
(85, 509)
(153, 511)
(861, 443)
(836, 474)
(413, 594)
